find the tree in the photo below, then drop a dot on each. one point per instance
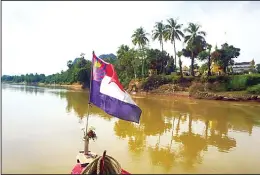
(121, 51)
(128, 64)
(140, 38)
(158, 60)
(172, 32)
(195, 42)
(225, 55)
(203, 68)
(180, 62)
(82, 55)
(159, 32)
(69, 64)
(206, 55)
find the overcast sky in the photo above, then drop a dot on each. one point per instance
(42, 36)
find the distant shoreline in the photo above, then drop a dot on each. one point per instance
(74, 86)
(235, 96)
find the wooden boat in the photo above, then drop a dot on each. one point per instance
(86, 157)
(83, 160)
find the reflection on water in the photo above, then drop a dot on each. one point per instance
(194, 127)
(176, 135)
(31, 89)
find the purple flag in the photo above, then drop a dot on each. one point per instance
(108, 94)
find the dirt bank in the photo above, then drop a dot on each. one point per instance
(74, 86)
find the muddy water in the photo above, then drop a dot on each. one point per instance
(41, 133)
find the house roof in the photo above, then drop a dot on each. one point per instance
(242, 63)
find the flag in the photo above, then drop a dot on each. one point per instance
(107, 93)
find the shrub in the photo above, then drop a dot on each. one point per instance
(216, 87)
(241, 82)
(212, 79)
(253, 79)
(237, 82)
(254, 89)
(155, 81)
(178, 79)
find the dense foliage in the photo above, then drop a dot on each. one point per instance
(78, 71)
(254, 89)
(156, 67)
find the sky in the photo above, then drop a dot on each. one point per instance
(40, 37)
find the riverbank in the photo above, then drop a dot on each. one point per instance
(74, 86)
(186, 90)
(225, 88)
(241, 96)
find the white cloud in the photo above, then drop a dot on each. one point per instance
(42, 36)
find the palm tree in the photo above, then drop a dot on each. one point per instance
(140, 38)
(172, 32)
(180, 62)
(159, 32)
(195, 42)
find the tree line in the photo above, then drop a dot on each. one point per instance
(138, 62)
(78, 71)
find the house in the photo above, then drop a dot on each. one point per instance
(242, 67)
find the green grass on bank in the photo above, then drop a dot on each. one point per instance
(249, 83)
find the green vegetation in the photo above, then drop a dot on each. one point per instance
(254, 89)
(154, 67)
(78, 71)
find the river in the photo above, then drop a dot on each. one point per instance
(42, 133)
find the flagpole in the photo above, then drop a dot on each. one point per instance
(86, 148)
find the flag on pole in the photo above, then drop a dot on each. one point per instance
(107, 93)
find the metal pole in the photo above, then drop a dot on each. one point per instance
(86, 137)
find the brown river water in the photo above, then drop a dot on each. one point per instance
(42, 133)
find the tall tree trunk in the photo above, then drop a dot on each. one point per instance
(209, 64)
(180, 65)
(174, 54)
(225, 69)
(192, 64)
(162, 45)
(142, 62)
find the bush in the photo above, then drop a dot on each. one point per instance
(253, 79)
(212, 79)
(155, 81)
(178, 79)
(216, 87)
(237, 83)
(254, 89)
(241, 82)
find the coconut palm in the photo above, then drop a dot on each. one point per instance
(159, 32)
(195, 42)
(140, 38)
(180, 62)
(172, 32)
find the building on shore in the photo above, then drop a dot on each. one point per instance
(242, 67)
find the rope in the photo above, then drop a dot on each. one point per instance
(103, 165)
